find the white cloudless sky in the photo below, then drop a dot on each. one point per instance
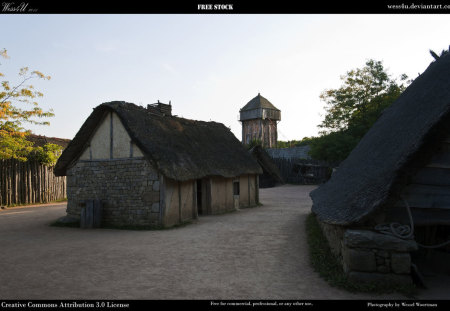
(210, 66)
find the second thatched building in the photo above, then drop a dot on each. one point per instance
(150, 168)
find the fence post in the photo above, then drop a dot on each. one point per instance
(29, 182)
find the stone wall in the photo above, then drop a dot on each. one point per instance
(370, 257)
(128, 189)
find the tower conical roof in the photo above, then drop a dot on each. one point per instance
(259, 102)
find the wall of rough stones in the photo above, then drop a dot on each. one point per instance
(128, 188)
(371, 257)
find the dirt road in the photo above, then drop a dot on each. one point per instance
(256, 253)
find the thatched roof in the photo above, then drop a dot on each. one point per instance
(368, 178)
(267, 164)
(179, 148)
(40, 140)
(257, 103)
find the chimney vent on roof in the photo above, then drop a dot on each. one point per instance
(160, 108)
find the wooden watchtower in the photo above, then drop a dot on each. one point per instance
(259, 122)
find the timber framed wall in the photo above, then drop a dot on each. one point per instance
(179, 203)
(29, 183)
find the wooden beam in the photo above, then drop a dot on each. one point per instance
(179, 202)
(432, 176)
(195, 207)
(111, 140)
(208, 185)
(248, 183)
(162, 200)
(257, 188)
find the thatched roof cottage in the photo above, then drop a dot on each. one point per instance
(151, 168)
(401, 166)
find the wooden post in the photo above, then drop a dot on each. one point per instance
(195, 207)
(29, 183)
(257, 189)
(34, 182)
(2, 182)
(248, 183)
(209, 196)
(20, 194)
(162, 200)
(179, 201)
(14, 181)
(83, 218)
(89, 214)
(97, 214)
(9, 183)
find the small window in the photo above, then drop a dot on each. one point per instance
(236, 188)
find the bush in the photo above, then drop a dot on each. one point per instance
(47, 155)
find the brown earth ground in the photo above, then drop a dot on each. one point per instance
(255, 253)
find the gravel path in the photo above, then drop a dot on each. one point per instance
(255, 253)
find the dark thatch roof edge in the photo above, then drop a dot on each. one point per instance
(178, 148)
(41, 140)
(365, 180)
(267, 164)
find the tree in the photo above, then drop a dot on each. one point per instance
(363, 95)
(18, 105)
(294, 143)
(353, 108)
(47, 155)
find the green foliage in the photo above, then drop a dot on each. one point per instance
(294, 143)
(361, 98)
(253, 143)
(47, 155)
(333, 147)
(352, 109)
(14, 145)
(18, 105)
(322, 260)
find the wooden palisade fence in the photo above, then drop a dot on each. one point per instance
(303, 171)
(28, 183)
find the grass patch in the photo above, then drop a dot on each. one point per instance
(322, 260)
(327, 265)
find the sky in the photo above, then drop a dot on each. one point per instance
(209, 66)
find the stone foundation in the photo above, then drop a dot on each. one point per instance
(370, 257)
(128, 189)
